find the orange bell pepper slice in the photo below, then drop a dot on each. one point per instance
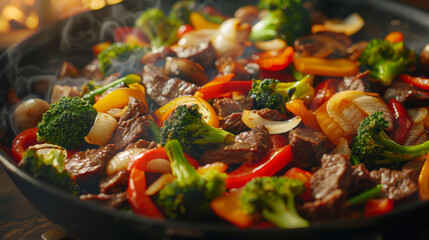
(423, 182)
(274, 60)
(298, 108)
(394, 37)
(119, 98)
(199, 22)
(326, 67)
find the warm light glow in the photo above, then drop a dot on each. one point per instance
(29, 2)
(111, 2)
(13, 13)
(32, 20)
(4, 26)
(97, 4)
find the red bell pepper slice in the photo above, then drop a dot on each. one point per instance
(274, 60)
(217, 90)
(268, 166)
(277, 141)
(185, 28)
(22, 142)
(403, 121)
(419, 82)
(376, 207)
(324, 92)
(141, 160)
(140, 202)
(305, 176)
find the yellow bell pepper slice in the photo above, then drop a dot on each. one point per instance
(119, 98)
(209, 114)
(326, 67)
(423, 181)
(199, 22)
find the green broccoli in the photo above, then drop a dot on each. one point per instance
(186, 125)
(386, 60)
(121, 52)
(48, 164)
(160, 30)
(67, 122)
(182, 9)
(129, 79)
(373, 147)
(274, 199)
(273, 94)
(285, 19)
(189, 195)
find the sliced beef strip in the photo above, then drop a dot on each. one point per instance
(109, 200)
(161, 89)
(141, 143)
(332, 206)
(115, 183)
(407, 94)
(233, 124)
(226, 106)
(248, 147)
(335, 173)
(360, 82)
(362, 180)
(92, 71)
(308, 147)
(397, 185)
(271, 114)
(203, 53)
(89, 166)
(241, 68)
(132, 126)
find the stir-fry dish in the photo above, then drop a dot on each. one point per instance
(270, 117)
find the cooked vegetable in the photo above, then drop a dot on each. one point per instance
(373, 147)
(189, 195)
(420, 82)
(394, 37)
(102, 129)
(285, 19)
(230, 40)
(22, 142)
(403, 121)
(182, 9)
(349, 26)
(298, 108)
(161, 30)
(376, 207)
(305, 176)
(386, 60)
(29, 113)
(274, 60)
(366, 195)
(120, 53)
(326, 67)
(128, 80)
(67, 122)
(200, 22)
(253, 119)
(186, 125)
(274, 199)
(423, 181)
(273, 94)
(48, 164)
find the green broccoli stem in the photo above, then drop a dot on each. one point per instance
(154, 131)
(129, 79)
(267, 28)
(209, 134)
(180, 166)
(283, 214)
(395, 152)
(387, 71)
(365, 196)
(294, 90)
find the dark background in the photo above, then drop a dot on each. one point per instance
(20, 220)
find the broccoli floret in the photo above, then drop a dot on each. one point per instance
(273, 94)
(129, 79)
(285, 19)
(274, 199)
(48, 164)
(186, 125)
(67, 122)
(386, 60)
(121, 53)
(373, 147)
(160, 30)
(189, 195)
(182, 9)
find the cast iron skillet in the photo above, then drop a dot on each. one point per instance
(38, 58)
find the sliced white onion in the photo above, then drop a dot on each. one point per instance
(350, 25)
(253, 119)
(349, 108)
(275, 44)
(235, 30)
(418, 114)
(102, 129)
(231, 38)
(120, 161)
(225, 47)
(416, 134)
(158, 165)
(194, 38)
(342, 148)
(158, 184)
(45, 148)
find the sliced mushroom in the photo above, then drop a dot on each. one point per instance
(249, 14)
(185, 69)
(63, 91)
(29, 113)
(202, 53)
(68, 70)
(323, 45)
